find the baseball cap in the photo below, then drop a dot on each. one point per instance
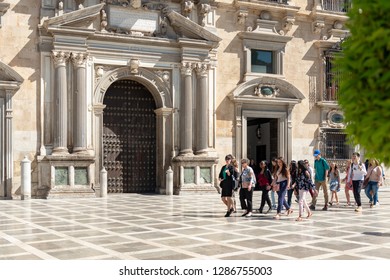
(316, 152)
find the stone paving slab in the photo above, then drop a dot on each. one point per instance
(191, 226)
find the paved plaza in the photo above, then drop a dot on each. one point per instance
(152, 227)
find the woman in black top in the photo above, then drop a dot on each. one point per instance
(227, 182)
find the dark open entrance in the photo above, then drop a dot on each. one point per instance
(262, 139)
(129, 138)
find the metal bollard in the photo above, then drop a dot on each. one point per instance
(103, 183)
(26, 178)
(169, 182)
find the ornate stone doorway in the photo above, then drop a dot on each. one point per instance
(129, 138)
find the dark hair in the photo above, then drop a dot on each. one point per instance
(356, 154)
(284, 170)
(229, 157)
(265, 163)
(302, 167)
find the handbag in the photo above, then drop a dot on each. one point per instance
(366, 180)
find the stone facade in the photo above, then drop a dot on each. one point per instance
(60, 63)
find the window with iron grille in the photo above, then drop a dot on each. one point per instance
(336, 5)
(335, 144)
(332, 76)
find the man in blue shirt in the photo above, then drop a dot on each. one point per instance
(321, 168)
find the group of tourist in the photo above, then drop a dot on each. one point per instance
(298, 179)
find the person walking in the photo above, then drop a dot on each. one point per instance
(321, 168)
(348, 183)
(273, 168)
(236, 174)
(248, 181)
(357, 173)
(264, 179)
(303, 183)
(293, 169)
(375, 179)
(282, 181)
(227, 183)
(334, 183)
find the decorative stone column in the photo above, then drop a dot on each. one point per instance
(8, 147)
(98, 112)
(60, 98)
(186, 110)
(80, 128)
(202, 109)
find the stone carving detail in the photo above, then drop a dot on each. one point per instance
(103, 20)
(318, 26)
(266, 90)
(241, 17)
(202, 69)
(204, 10)
(287, 25)
(79, 59)
(164, 75)
(187, 8)
(59, 57)
(134, 65)
(335, 119)
(187, 68)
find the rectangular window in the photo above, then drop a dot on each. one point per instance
(262, 61)
(332, 77)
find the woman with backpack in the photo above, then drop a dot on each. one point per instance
(303, 183)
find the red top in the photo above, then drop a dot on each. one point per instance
(262, 180)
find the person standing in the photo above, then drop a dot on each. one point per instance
(375, 180)
(282, 180)
(321, 168)
(303, 183)
(264, 179)
(236, 175)
(357, 173)
(248, 181)
(227, 183)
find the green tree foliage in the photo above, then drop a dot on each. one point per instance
(365, 83)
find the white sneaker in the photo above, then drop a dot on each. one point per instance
(358, 209)
(249, 214)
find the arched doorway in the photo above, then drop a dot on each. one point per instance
(129, 138)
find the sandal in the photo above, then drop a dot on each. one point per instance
(289, 211)
(277, 217)
(309, 215)
(299, 219)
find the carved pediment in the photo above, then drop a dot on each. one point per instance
(7, 74)
(187, 28)
(267, 90)
(74, 18)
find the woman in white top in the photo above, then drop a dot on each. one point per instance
(357, 173)
(374, 173)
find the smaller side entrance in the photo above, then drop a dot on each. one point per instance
(262, 139)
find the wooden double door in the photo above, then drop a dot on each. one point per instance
(129, 138)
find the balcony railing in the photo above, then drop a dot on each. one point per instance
(336, 5)
(278, 1)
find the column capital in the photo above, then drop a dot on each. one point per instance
(202, 69)
(79, 59)
(187, 68)
(59, 58)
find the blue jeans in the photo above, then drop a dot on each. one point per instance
(282, 197)
(372, 186)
